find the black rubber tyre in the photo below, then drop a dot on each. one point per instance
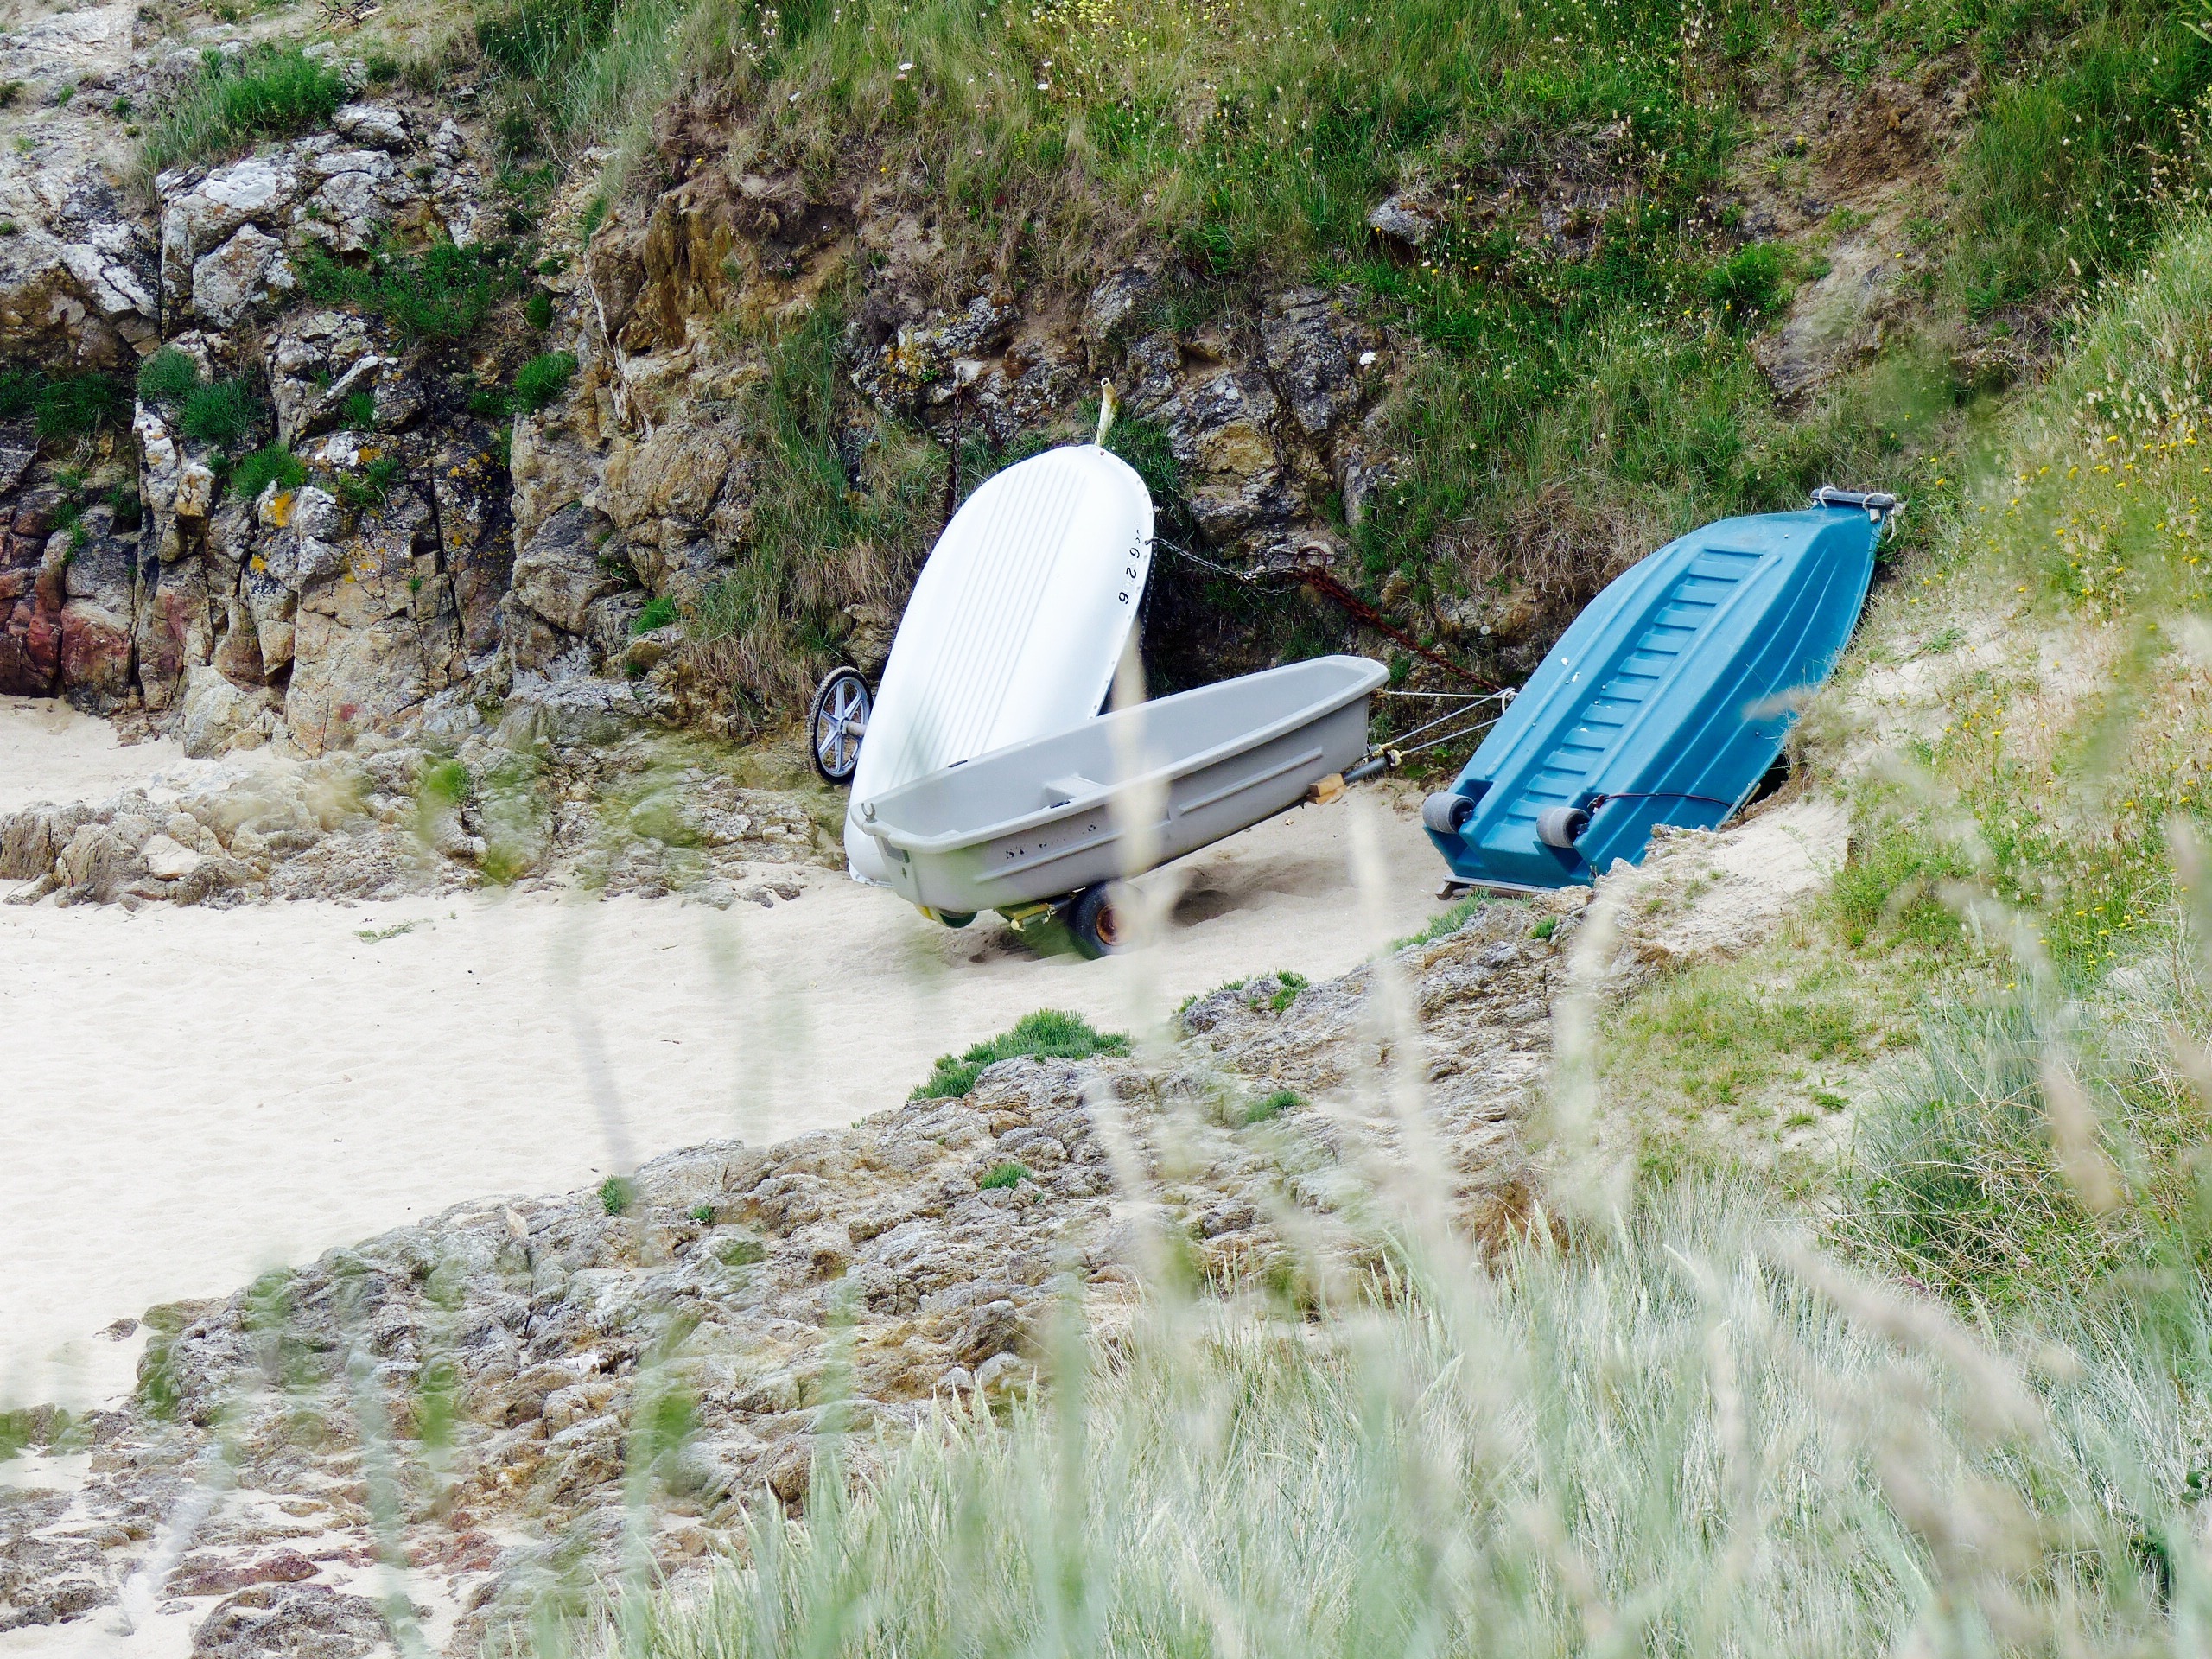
(955, 920)
(841, 699)
(1097, 921)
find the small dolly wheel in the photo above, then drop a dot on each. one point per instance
(952, 918)
(836, 723)
(1097, 921)
(1561, 826)
(1446, 812)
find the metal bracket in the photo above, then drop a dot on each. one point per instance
(1879, 505)
(1373, 766)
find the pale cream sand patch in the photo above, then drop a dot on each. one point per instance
(51, 753)
(191, 1095)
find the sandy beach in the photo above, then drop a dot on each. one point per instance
(193, 1096)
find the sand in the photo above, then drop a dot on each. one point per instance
(191, 1096)
(49, 752)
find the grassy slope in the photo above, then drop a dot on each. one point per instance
(1569, 403)
(2023, 727)
(1570, 399)
(1579, 381)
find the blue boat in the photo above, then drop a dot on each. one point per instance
(1667, 700)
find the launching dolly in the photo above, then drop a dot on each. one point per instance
(985, 772)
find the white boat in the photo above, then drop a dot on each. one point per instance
(1036, 826)
(1016, 626)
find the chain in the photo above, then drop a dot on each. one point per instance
(1344, 597)
(1250, 578)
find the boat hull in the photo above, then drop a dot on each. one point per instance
(1039, 821)
(1016, 625)
(1665, 702)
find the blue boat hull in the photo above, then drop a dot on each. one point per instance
(1664, 703)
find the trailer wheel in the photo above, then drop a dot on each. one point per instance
(1561, 826)
(836, 723)
(1446, 812)
(1097, 921)
(955, 920)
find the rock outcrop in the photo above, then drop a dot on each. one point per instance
(78, 263)
(339, 608)
(553, 796)
(447, 543)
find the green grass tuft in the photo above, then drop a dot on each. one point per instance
(543, 381)
(1448, 920)
(62, 405)
(617, 1193)
(266, 92)
(272, 464)
(1749, 284)
(167, 377)
(659, 611)
(1048, 1035)
(1004, 1176)
(444, 783)
(443, 293)
(371, 488)
(1272, 1106)
(220, 412)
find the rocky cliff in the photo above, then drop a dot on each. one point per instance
(386, 539)
(365, 410)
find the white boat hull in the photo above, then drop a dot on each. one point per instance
(1016, 626)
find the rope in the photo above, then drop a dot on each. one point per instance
(1329, 586)
(1398, 751)
(1466, 709)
